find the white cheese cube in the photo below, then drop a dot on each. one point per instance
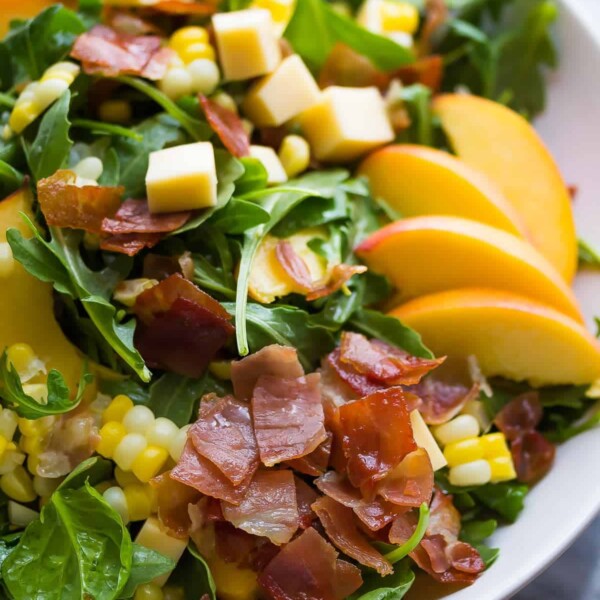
(182, 178)
(282, 95)
(271, 162)
(346, 123)
(247, 43)
(424, 439)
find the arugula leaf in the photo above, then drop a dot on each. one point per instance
(238, 216)
(416, 99)
(59, 401)
(102, 128)
(229, 169)
(390, 587)
(193, 575)
(563, 429)
(254, 177)
(389, 329)
(475, 532)
(288, 326)
(196, 129)
(156, 132)
(84, 540)
(588, 255)
(507, 499)
(489, 555)
(29, 49)
(127, 386)
(176, 397)
(316, 20)
(92, 470)
(146, 564)
(90, 12)
(50, 149)
(10, 179)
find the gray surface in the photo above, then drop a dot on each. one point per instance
(574, 576)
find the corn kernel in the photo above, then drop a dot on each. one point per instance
(185, 36)
(148, 591)
(18, 485)
(115, 111)
(139, 502)
(8, 423)
(458, 453)
(117, 409)
(25, 361)
(3, 445)
(138, 420)
(10, 460)
(111, 435)
(58, 74)
(90, 167)
(50, 89)
(399, 16)
(31, 444)
(502, 469)
(172, 592)
(35, 427)
(162, 433)
(494, 445)
(221, 369)
(64, 67)
(226, 101)
(196, 51)
(33, 462)
(477, 409)
(22, 115)
(177, 82)
(7, 261)
(176, 447)
(205, 75)
(20, 515)
(45, 486)
(460, 428)
(477, 472)
(128, 290)
(294, 154)
(117, 500)
(128, 449)
(149, 462)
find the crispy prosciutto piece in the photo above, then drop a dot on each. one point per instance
(403, 527)
(224, 435)
(339, 276)
(275, 360)
(269, 508)
(316, 462)
(104, 51)
(308, 567)
(444, 519)
(533, 456)
(183, 7)
(173, 499)
(358, 383)
(441, 400)
(411, 482)
(199, 473)
(341, 528)
(158, 266)
(376, 435)
(305, 497)
(521, 415)
(130, 243)
(65, 204)
(228, 126)
(134, 216)
(288, 417)
(427, 71)
(180, 327)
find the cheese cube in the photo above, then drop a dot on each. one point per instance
(424, 439)
(346, 123)
(282, 95)
(182, 178)
(271, 162)
(247, 43)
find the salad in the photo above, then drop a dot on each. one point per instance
(286, 308)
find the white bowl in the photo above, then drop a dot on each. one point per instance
(563, 504)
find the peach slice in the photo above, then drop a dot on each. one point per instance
(24, 9)
(417, 180)
(26, 303)
(504, 146)
(422, 255)
(510, 335)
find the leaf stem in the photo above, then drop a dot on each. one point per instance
(413, 541)
(6, 100)
(106, 128)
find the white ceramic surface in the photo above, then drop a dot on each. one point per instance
(565, 502)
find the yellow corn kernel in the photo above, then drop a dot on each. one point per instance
(3, 445)
(399, 16)
(21, 356)
(502, 468)
(195, 51)
(149, 462)
(226, 101)
(494, 445)
(8, 423)
(103, 486)
(9, 460)
(463, 427)
(18, 485)
(125, 477)
(34, 427)
(31, 444)
(115, 111)
(221, 369)
(172, 592)
(22, 115)
(115, 496)
(458, 453)
(281, 11)
(148, 591)
(33, 462)
(110, 436)
(58, 74)
(185, 36)
(139, 502)
(117, 409)
(294, 154)
(45, 486)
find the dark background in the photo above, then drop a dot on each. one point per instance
(574, 576)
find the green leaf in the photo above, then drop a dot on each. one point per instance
(50, 149)
(102, 128)
(489, 555)
(86, 544)
(156, 132)
(90, 12)
(238, 216)
(390, 587)
(588, 255)
(254, 177)
(176, 397)
(93, 470)
(146, 564)
(59, 397)
(416, 100)
(389, 329)
(193, 575)
(288, 326)
(136, 392)
(476, 532)
(10, 179)
(507, 499)
(316, 20)
(196, 129)
(29, 49)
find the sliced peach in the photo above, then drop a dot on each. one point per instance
(511, 336)
(26, 303)
(24, 9)
(417, 180)
(501, 144)
(422, 255)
